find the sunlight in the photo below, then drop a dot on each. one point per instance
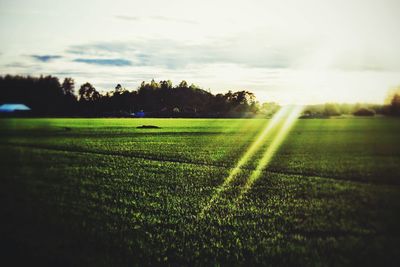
(278, 118)
(232, 127)
(273, 147)
(259, 141)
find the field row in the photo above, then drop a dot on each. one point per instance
(362, 150)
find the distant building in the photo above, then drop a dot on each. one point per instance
(139, 114)
(13, 108)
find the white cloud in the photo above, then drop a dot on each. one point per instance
(279, 49)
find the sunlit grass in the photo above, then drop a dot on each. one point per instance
(255, 146)
(328, 195)
(273, 147)
(235, 129)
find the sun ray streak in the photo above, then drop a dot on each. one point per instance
(276, 120)
(272, 148)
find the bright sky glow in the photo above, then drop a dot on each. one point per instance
(309, 51)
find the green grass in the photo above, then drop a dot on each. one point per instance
(102, 192)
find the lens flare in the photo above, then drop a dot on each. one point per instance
(255, 146)
(272, 148)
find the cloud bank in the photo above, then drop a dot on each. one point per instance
(45, 58)
(118, 62)
(309, 51)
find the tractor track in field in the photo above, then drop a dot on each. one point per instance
(150, 158)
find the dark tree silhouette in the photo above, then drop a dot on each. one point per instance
(44, 95)
(47, 97)
(68, 86)
(118, 89)
(88, 93)
(395, 105)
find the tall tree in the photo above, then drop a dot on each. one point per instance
(118, 89)
(395, 105)
(68, 86)
(88, 93)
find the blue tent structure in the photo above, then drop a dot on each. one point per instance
(12, 108)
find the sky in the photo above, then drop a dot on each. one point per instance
(287, 51)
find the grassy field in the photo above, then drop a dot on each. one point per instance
(103, 192)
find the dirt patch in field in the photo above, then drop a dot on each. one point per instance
(148, 127)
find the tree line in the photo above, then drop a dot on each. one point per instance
(47, 96)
